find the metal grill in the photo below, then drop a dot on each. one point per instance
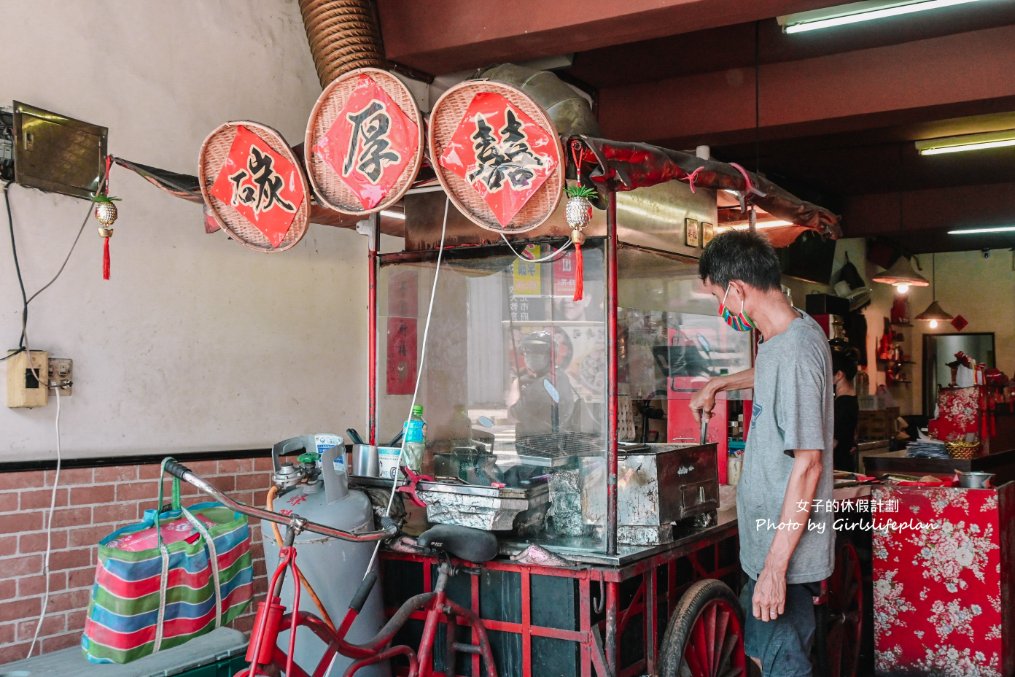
(556, 449)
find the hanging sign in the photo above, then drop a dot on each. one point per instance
(502, 153)
(497, 155)
(263, 186)
(402, 362)
(364, 142)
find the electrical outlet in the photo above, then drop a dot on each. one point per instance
(26, 386)
(61, 375)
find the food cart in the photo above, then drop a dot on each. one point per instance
(555, 379)
(553, 419)
(502, 329)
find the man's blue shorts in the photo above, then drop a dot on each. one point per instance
(784, 645)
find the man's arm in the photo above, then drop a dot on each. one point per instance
(704, 399)
(770, 592)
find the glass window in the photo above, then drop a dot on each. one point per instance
(670, 341)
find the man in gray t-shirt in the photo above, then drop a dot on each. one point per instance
(786, 537)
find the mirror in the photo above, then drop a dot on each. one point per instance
(939, 350)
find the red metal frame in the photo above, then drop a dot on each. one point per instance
(433, 606)
(612, 378)
(633, 607)
(373, 262)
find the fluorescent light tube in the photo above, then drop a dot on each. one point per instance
(392, 214)
(856, 12)
(981, 231)
(967, 142)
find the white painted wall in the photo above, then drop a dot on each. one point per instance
(195, 343)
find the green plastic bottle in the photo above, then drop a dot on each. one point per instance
(415, 439)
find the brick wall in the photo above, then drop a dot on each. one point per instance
(90, 503)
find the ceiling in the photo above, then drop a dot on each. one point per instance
(836, 113)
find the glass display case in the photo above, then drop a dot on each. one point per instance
(514, 382)
(514, 379)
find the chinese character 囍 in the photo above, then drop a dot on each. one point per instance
(508, 157)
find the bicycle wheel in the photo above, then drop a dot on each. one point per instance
(705, 635)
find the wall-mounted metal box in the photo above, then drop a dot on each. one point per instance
(56, 153)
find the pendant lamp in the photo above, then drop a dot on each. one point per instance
(902, 274)
(934, 313)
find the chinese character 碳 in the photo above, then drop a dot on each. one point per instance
(266, 181)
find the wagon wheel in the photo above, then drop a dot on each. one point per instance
(705, 636)
(844, 614)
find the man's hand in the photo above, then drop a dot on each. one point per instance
(704, 400)
(769, 601)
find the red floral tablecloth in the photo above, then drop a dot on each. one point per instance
(958, 413)
(943, 581)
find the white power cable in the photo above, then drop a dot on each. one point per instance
(419, 374)
(553, 256)
(49, 526)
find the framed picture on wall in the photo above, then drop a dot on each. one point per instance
(692, 233)
(707, 233)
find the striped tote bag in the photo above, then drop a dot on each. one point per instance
(178, 574)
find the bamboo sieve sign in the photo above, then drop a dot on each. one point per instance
(364, 142)
(370, 143)
(502, 153)
(261, 185)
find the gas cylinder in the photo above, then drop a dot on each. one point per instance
(318, 490)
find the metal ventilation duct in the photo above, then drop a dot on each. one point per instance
(343, 35)
(569, 111)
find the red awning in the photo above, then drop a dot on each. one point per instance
(622, 166)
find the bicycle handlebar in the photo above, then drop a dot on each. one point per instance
(184, 473)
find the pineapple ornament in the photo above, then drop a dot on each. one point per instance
(105, 213)
(578, 212)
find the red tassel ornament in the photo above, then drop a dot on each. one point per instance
(105, 213)
(578, 212)
(578, 237)
(105, 256)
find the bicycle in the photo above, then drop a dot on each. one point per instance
(456, 547)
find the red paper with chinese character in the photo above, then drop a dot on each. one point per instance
(370, 143)
(401, 368)
(564, 275)
(260, 184)
(942, 595)
(502, 153)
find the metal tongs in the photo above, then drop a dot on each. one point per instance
(704, 416)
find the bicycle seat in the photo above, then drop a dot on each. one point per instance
(471, 545)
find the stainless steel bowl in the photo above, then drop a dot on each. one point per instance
(975, 480)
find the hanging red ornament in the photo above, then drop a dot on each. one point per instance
(578, 212)
(105, 213)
